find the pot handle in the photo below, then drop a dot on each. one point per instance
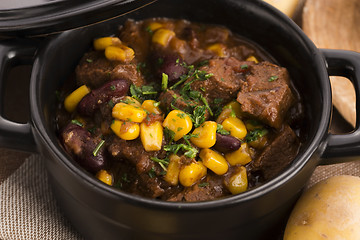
(14, 52)
(344, 147)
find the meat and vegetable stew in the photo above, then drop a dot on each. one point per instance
(179, 111)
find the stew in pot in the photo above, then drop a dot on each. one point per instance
(179, 111)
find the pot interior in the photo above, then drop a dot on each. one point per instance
(253, 20)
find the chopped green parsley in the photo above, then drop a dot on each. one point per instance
(98, 147)
(220, 129)
(77, 122)
(256, 134)
(273, 78)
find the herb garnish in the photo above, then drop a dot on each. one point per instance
(217, 107)
(244, 66)
(162, 162)
(152, 173)
(203, 99)
(164, 82)
(89, 60)
(169, 134)
(273, 78)
(77, 122)
(256, 134)
(203, 184)
(198, 115)
(156, 104)
(139, 66)
(220, 129)
(160, 61)
(98, 147)
(111, 103)
(125, 178)
(143, 93)
(148, 29)
(189, 150)
(203, 63)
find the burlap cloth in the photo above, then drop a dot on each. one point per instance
(28, 209)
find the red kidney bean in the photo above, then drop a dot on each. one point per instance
(171, 65)
(79, 143)
(226, 143)
(91, 102)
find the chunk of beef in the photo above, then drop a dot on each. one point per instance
(210, 188)
(190, 36)
(241, 52)
(148, 186)
(216, 34)
(171, 98)
(134, 36)
(227, 79)
(94, 70)
(128, 72)
(276, 156)
(133, 152)
(144, 184)
(266, 94)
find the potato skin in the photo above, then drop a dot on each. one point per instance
(328, 210)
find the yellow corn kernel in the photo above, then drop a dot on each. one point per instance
(105, 177)
(252, 125)
(125, 130)
(104, 42)
(218, 48)
(178, 122)
(252, 59)
(214, 161)
(238, 182)
(206, 135)
(225, 113)
(119, 53)
(132, 101)
(192, 173)
(240, 156)
(173, 170)
(73, 99)
(235, 107)
(126, 112)
(151, 136)
(259, 143)
(154, 26)
(151, 106)
(163, 36)
(235, 126)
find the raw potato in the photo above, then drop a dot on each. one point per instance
(328, 210)
(286, 6)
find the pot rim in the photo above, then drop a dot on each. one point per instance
(38, 122)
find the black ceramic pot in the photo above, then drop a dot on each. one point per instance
(102, 212)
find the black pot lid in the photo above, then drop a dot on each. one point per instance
(39, 17)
